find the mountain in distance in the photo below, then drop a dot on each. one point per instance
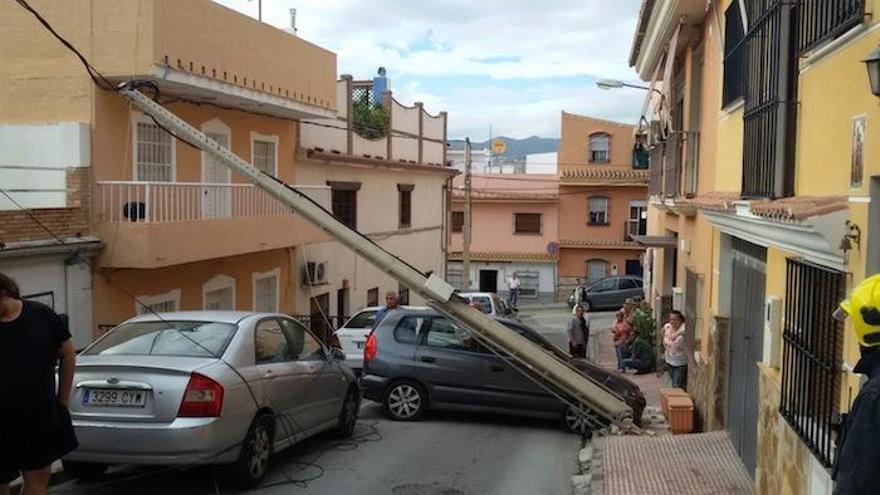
(517, 149)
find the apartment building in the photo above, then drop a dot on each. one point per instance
(765, 209)
(391, 184)
(179, 231)
(602, 201)
(514, 225)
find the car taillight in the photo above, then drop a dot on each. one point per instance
(203, 398)
(334, 342)
(370, 347)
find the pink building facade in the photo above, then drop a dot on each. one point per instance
(515, 228)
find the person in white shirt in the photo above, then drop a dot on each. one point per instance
(675, 355)
(513, 284)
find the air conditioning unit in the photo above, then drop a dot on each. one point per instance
(677, 299)
(772, 331)
(315, 273)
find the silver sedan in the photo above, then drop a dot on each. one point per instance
(206, 387)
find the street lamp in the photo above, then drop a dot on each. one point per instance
(873, 64)
(617, 84)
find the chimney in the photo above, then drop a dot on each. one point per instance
(292, 29)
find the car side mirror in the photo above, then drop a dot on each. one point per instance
(336, 353)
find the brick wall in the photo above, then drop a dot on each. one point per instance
(16, 225)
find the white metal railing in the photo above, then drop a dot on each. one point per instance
(160, 202)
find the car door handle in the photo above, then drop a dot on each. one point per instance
(428, 359)
(268, 374)
(497, 368)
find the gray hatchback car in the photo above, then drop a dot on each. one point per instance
(416, 359)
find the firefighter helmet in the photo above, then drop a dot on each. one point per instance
(863, 306)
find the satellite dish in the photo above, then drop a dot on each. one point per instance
(553, 248)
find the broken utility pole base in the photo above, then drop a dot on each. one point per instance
(597, 403)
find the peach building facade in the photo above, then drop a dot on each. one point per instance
(602, 201)
(515, 228)
(178, 231)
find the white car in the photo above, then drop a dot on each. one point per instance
(352, 336)
(491, 303)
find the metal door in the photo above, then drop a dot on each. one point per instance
(216, 200)
(488, 280)
(746, 347)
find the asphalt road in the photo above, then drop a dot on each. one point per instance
(447, 453)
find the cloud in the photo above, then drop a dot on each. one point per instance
(485, 52)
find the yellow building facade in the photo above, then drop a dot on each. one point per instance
(780, 221)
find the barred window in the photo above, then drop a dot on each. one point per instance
(596, 270)
(454, 277)
(812, 354)
(527, 223)
(529, 284)
(598, 210)
(264, 156)
(457, 221)
(155, 153)
(600, 148)
(822, 21)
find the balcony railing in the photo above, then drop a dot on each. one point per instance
(655, 164)
(691, 163)
(163, 202)
(672, 168)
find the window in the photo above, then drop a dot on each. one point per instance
(264, 150)
(266, 292)
(600, 148)
(457, 221)
(373, 297)
(598, 210)
(734, 55)
(160, 303)
(402, 294)
(404, 192)
(822, 21)
(454, 277)
(637, 224)
(303, 345)
(526, 223)
(407, 330)
(270, 344)
(596, 270)
(812, 354)
(166, 338)
(154, 152)
(528, 284)
(446, 334)
(641, 158)
(219, 293)
(344, 201)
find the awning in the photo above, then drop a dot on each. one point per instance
(661, 241)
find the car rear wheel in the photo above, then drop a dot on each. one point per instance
(83, 470)
(256, 451)
(405, 400)
(574, 421)
(348, 416)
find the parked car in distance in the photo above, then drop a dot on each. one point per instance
(611, 292)
(206, 387)
(352, 336)
(419, 359)
(491, 303)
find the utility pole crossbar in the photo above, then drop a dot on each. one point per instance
(576, 389)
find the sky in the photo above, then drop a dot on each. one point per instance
(511, 65)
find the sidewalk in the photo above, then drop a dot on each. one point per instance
(662, 463)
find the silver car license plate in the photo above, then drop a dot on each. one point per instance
(114, 398)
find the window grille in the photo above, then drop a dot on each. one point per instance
(154, 153)
(454, 278)
(264, 156)
(600, 148)
(345, 206)
(596, 270)
(821, 21)
(599, 211)
(457, 221)
(529, 284)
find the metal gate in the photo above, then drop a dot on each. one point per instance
(746, 347)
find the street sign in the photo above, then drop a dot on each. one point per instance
(499, 146)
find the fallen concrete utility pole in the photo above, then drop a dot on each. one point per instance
(591, 398)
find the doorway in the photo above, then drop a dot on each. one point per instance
(634, 268)
(488, 280)
(319, 312)
(749, 262)
(216, 200)
(342, 298)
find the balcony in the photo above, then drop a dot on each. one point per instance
(271, 72)
(155, 224)
(675, 166)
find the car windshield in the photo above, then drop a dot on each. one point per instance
(484, 302)
(364, 319)
(165, 338)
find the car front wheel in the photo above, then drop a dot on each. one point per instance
(348, 416)
(256, 451)
(405, 400)
(574, 421)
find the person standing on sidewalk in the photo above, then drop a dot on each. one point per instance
(578, 333)
(35, 427)
(391, 303)
(621, 330)
(858, 447)
(513, 284)
(675, 355)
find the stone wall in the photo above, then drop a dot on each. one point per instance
(707, 379)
